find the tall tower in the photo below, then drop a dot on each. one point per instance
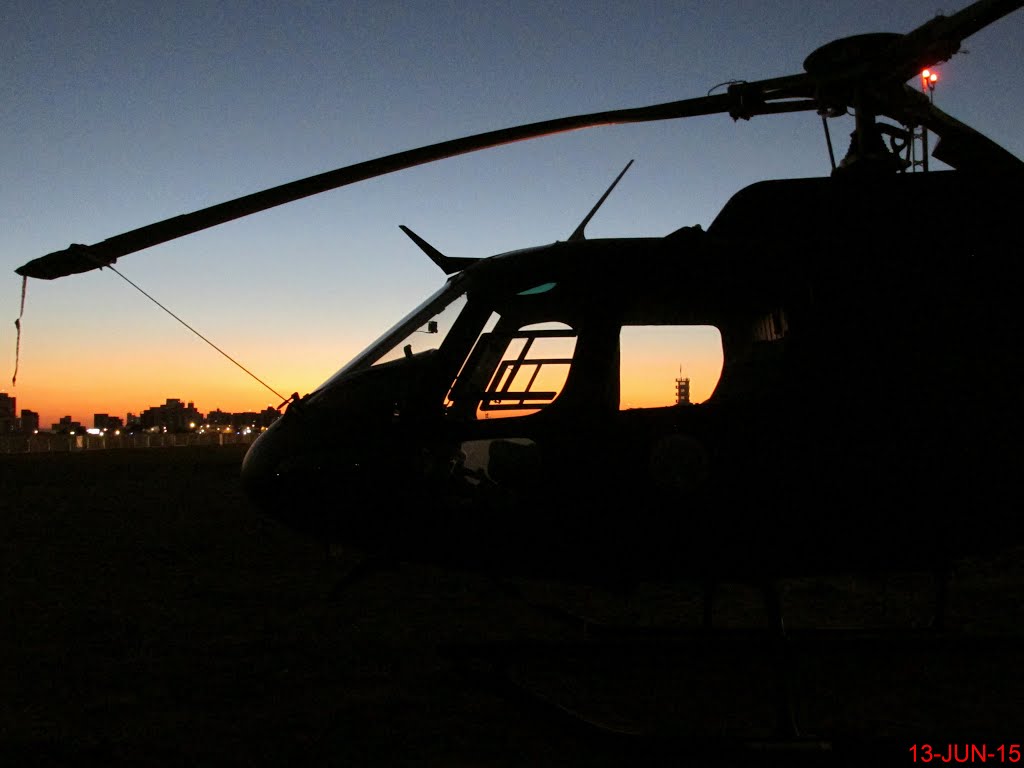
(682, 390)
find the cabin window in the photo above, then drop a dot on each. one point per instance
(514, 373)
(664, 365)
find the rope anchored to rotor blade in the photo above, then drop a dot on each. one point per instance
(17, 325)
(197, 333)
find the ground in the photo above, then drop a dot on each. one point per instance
(150, 617)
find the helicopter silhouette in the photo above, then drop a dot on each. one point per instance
(486, 429)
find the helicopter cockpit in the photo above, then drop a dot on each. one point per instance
(516, 336)
(517, 360)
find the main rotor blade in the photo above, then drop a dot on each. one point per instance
(82, 258)
(960, 146)
(938, 39)
(930, 43)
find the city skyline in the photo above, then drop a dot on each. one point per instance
(45, 421)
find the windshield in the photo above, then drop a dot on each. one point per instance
(421, 330)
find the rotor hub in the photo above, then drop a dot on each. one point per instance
(848, 52)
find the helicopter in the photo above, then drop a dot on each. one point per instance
(486, 428)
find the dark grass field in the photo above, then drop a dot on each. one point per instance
(149, 618)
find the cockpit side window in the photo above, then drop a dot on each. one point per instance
(513, 371)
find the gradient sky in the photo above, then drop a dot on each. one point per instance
(118, 114)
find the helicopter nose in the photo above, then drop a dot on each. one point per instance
(280, 473)
(262, 459)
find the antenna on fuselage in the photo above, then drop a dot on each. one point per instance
(578, 234)
(448, 264)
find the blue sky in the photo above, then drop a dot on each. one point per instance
(118, 114)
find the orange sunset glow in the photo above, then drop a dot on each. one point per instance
(79, 385)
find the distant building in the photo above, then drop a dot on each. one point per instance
(172, 416)
(66, 427)
(29, 421)
(217, 418)
(105, 422)
(244, 419)
(268, 416)
(254, 420)
(8, 423)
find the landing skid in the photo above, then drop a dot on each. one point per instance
(778, 648)
(497, 669)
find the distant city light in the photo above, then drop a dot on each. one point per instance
(174, 416)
